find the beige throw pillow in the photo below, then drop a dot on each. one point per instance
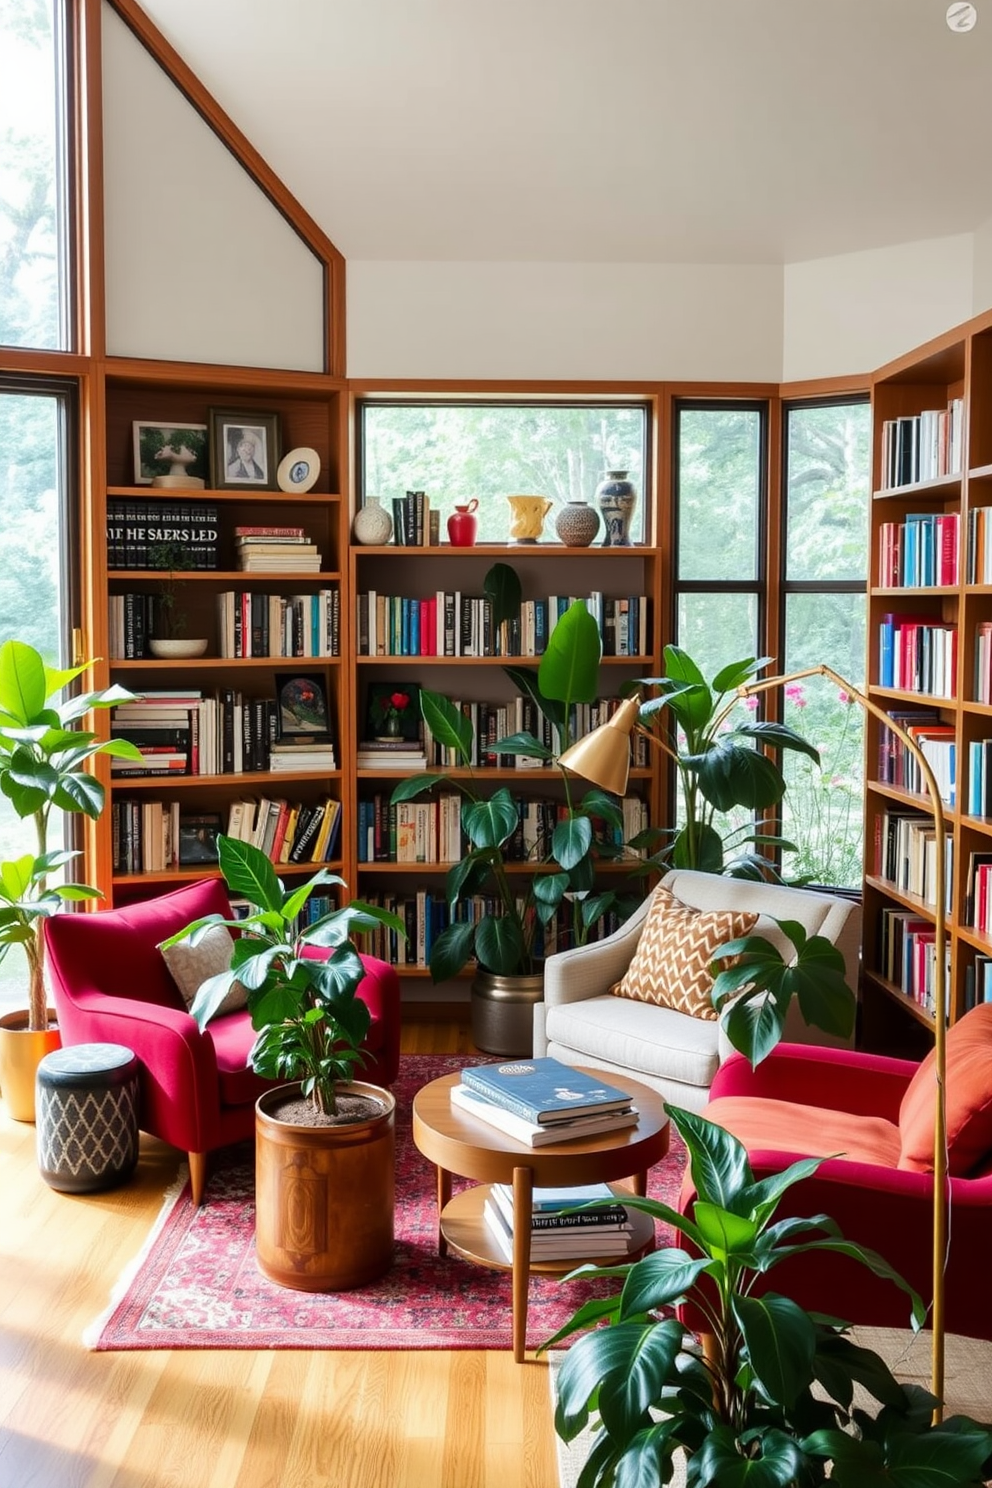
(190, 966)
(671, 966)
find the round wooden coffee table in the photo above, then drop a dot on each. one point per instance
(457, 1142)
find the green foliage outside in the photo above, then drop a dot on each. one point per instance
(455, 452)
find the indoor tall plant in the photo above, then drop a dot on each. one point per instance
(720, 765)
(43, 758)
(325, 1142)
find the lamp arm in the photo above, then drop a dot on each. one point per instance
(748, 689)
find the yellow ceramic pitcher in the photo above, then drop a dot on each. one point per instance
(527, 514)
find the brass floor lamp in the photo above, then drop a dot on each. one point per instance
(603, 758)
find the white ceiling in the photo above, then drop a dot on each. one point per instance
(706, 131)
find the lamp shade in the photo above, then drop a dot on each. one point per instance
(603, 756)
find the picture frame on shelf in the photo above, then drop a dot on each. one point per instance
(381, 705)
(170, 449)
(198, 839)
(244, 449)
(303, 714)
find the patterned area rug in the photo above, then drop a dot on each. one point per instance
(196, 1284)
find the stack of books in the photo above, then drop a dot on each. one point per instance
(296, 755)
(561, 1228)
(391, 754)
(542, 1101)
(275, 550)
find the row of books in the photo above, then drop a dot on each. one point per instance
(906, 854)
(917, 653)
(542, 1101)
(977, 908)
(492, 722)
(979, 564)
(146, 534)
(980, 777)
(430, 830)
(275, 550)
(278, 625)
(182, 732)
(156, 836)
(415, 523)
(456, 624)
(287, 832)
(561, 1227)
(977, 981)
(425, 915)
(898, 766)
(983, 662)
(922, 446)
(909, 955)
(919, 552)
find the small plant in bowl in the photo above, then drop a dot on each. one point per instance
(171, 619)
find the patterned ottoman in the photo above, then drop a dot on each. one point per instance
(87, 1117)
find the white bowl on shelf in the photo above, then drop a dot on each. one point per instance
(178, 650)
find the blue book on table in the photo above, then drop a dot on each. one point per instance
(544, 1089)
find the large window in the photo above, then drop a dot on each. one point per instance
(457, 451)
(33, 212)
(729, 603)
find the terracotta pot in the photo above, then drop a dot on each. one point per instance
(21, 1052)
(324, 1196)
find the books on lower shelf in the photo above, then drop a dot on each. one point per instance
(608, 1233)
(544, 1090)
(530, 1133)
(153, 837)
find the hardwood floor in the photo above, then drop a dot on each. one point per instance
(217, 1419)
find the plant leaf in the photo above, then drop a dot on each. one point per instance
(569, 669)
(247, 871)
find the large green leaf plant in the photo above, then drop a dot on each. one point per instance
(721, 765)
(503, 943)
(43, 758)
(309, 1022)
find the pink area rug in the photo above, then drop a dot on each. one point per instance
(196, 1284)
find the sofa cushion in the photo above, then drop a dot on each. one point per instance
(968, 1097)
(191, 965)
(232, 1037)
(763, 1124)
(671, 966)
(646, 1040)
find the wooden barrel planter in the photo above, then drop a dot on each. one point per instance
(324, 1195)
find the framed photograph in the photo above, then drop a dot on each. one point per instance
(302, 700)
(169, 449)
(244, 450)
(198, 839)
(393, 711)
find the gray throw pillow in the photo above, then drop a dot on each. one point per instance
(190, 966)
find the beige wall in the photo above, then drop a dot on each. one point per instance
(200, 265)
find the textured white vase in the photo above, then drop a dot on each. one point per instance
(373, 526)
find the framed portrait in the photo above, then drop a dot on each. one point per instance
(169, 449)
(198, 839)
(302, 707)
(244, 450)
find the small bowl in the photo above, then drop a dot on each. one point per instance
(178, 650)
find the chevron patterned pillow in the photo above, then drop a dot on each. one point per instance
(671, 966)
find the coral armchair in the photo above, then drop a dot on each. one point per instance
(110, 984)
(816, 1102)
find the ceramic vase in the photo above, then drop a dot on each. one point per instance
(617, 497)
(577, 523)
(463, 524)
(373, 526)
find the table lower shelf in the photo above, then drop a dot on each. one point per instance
(466, 1232)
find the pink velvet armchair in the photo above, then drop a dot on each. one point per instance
(110, 984)
(813, 1102)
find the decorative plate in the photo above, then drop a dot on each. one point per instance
(298, 470)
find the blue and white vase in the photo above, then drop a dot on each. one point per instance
(617, 497)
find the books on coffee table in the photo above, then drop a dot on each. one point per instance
(558, 1241)
(531, 1133)
(544, 1090)
(567, 1208)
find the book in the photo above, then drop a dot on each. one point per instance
(544, 1089)
(610, 1215)
(554, 1247)
(529, 1132)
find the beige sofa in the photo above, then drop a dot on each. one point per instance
(580, 1022)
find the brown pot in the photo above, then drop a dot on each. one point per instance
(21, 1052)
(324, 1196)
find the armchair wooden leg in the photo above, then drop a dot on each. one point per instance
(198, 1176)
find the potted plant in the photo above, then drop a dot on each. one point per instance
(745, 1411)
(721, 766)
(324, 1143)
(509, 978)
(43, 754)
